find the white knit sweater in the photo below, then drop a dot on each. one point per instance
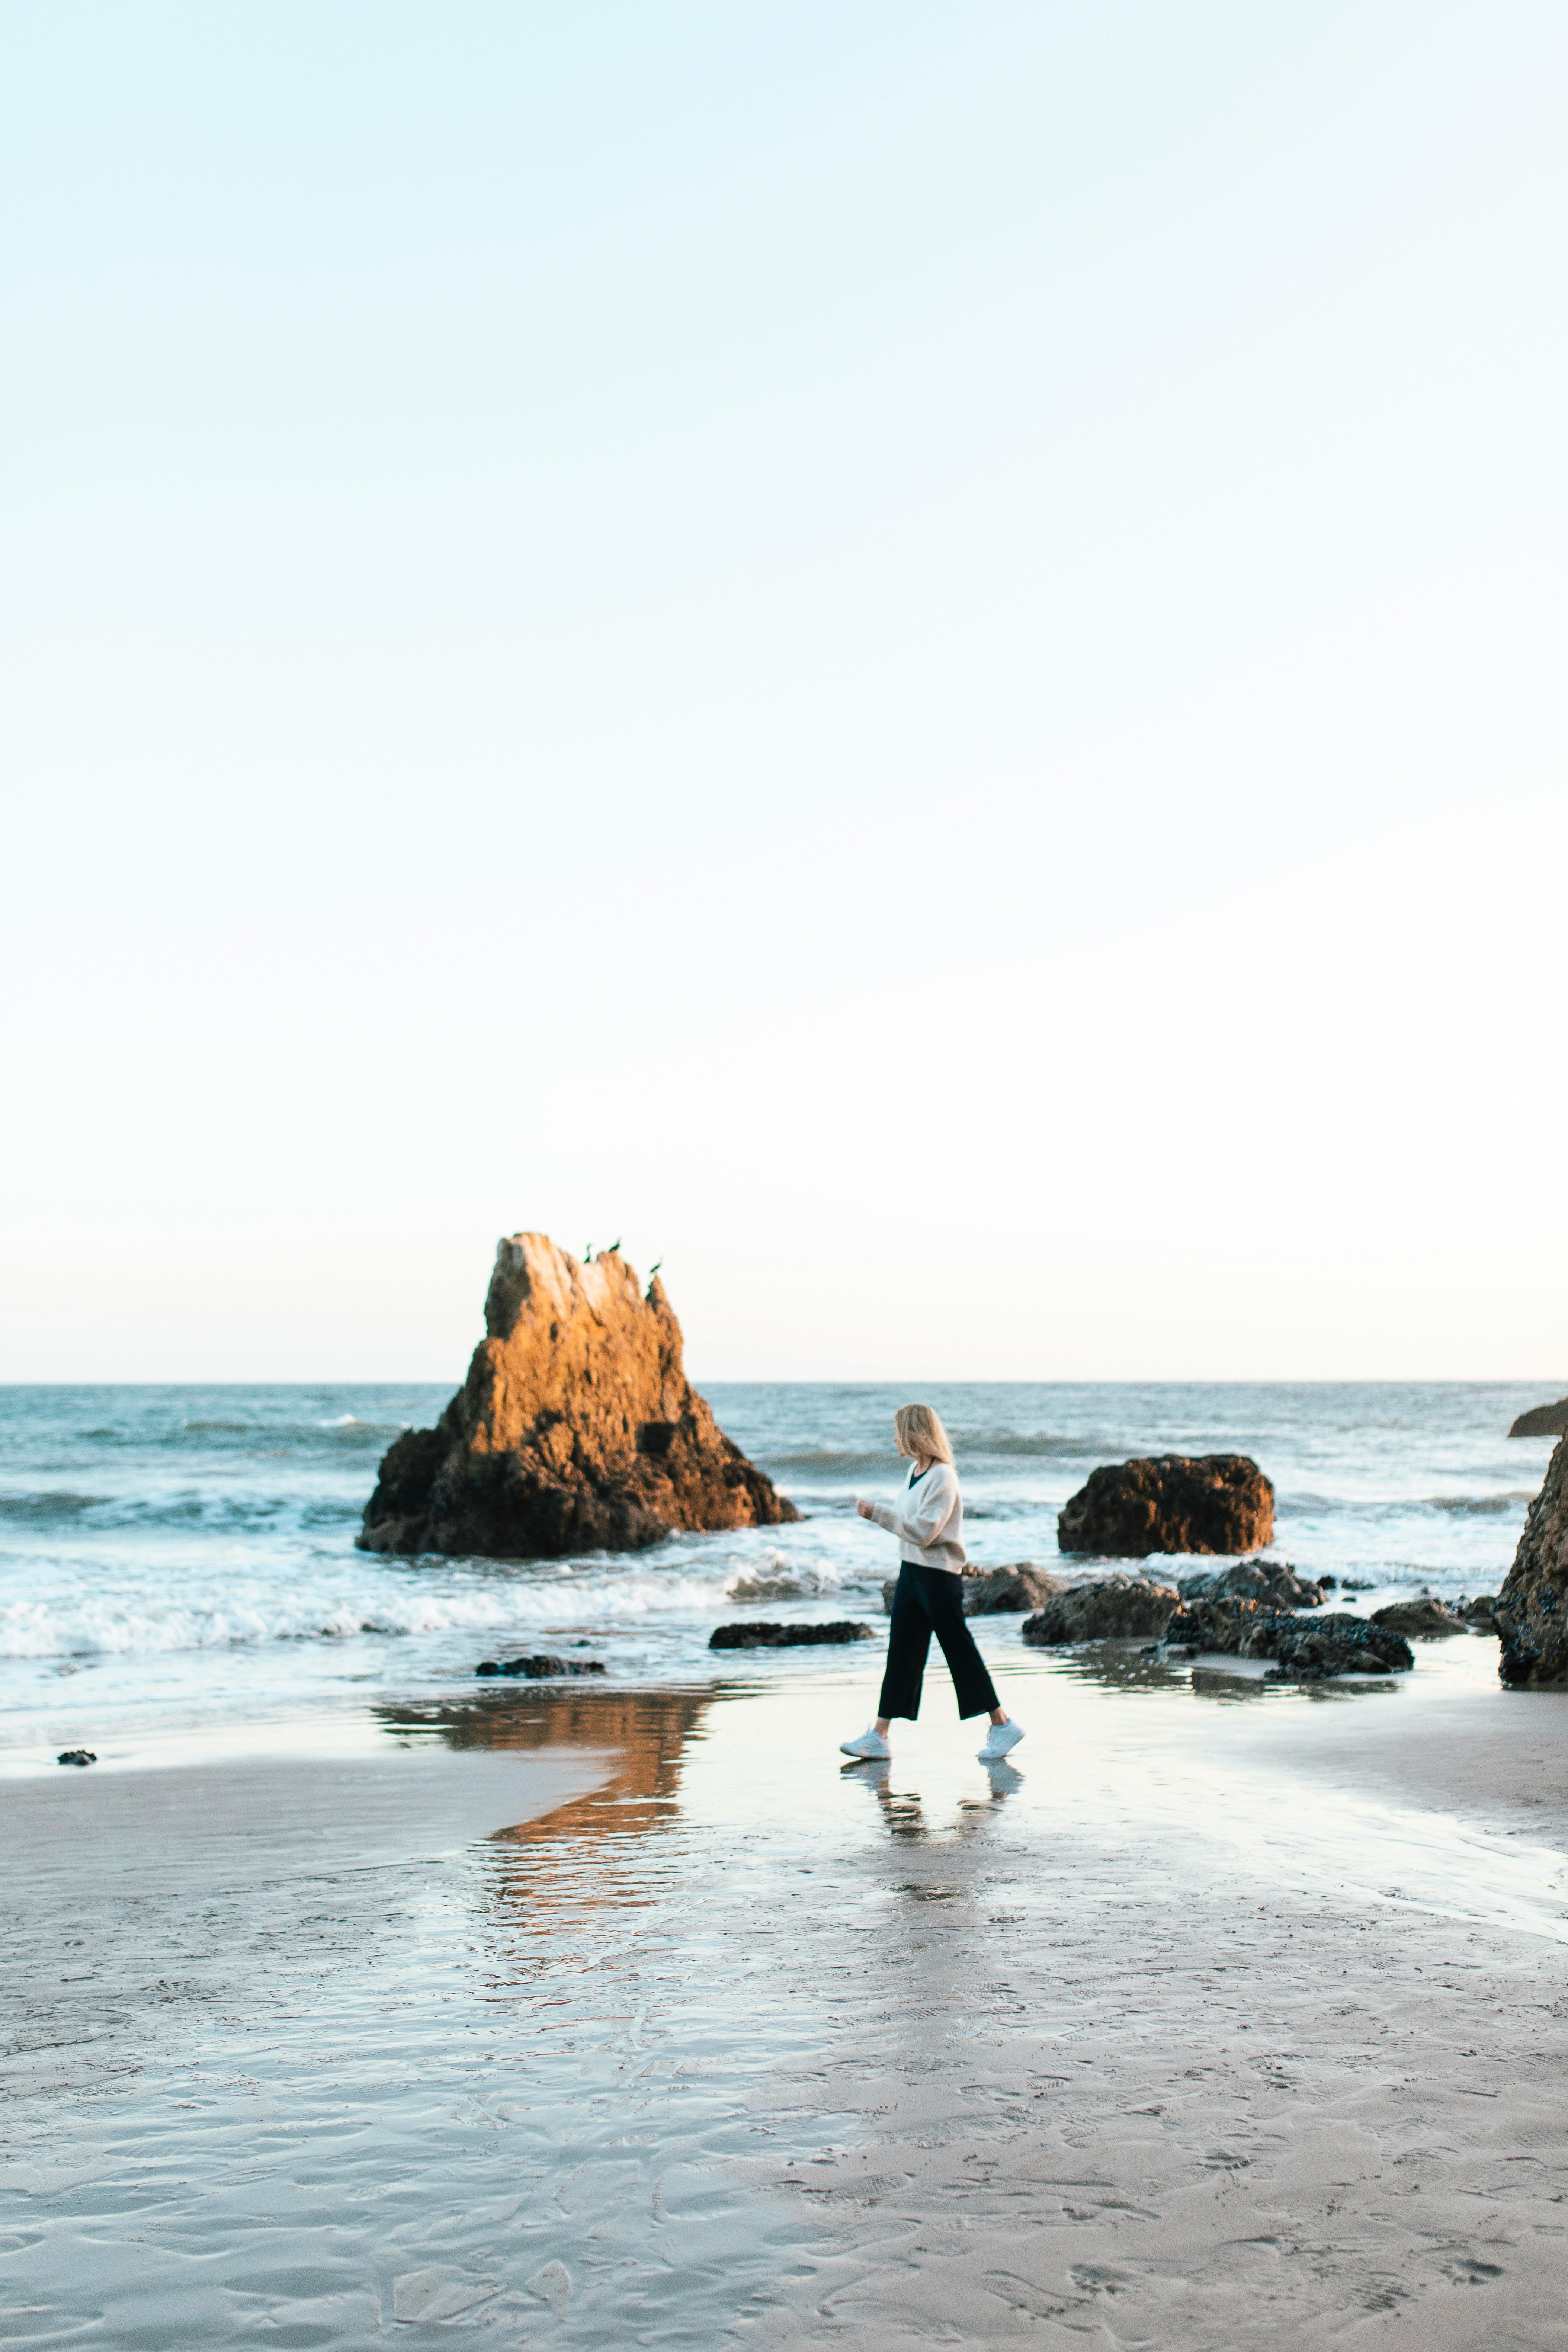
(930, 1528)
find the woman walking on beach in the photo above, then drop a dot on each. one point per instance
(929, 1595)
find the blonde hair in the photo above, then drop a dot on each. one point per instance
(919, 1431)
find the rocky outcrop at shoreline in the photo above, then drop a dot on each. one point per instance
(576, 1429)
(761, 1633)
(1118, 1608)
(1425, 1620)
(1301, 1649)
(1167, 1503)
(1273, 1581)
(543, 1665)
(1543, 1421)
(1531, 1610)
(991, 1592)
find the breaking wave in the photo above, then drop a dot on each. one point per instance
(49, 1505)
(835, 1462)
(1302, 1502)
(1034, 1445)
(778, 1578)
(180, 1510)
(255, 1614)
(1481, 1506)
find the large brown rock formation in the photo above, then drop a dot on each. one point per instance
(576, 1429)
(1531, 1610)
(1172, 1501)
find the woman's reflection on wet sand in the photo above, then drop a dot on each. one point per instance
(901, 1811)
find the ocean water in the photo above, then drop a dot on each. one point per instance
(179, 1558)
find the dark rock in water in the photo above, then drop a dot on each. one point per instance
(1531, 1610)
(76, 1756)
(1271, 1580)
(1480, 1614)
(543, 1665)
(1172, 1502)
(576, 1429)
(1221, 1623)
(1327, 1583)
(1303, 1649)
(1357, 1584)
(760, 1636)
(991, 1591)
(1425, 1620)
(1543, 1421)
(1307, 1648)
(1118, 1608)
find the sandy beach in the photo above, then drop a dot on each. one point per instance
(1229, 2016)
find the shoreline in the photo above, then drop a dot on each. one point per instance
(190, 1558)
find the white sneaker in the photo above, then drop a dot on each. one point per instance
(871, 1746)
(999, 1739)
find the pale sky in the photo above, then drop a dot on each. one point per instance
(911, 654)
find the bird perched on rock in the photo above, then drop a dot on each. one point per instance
(615, 1246)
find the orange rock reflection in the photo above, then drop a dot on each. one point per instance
(644, 1732)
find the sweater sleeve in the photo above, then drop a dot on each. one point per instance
(925, 1523)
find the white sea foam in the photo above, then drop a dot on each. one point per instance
(777, 1577)
(254, 1614)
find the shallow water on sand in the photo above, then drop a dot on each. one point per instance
(618, 2070)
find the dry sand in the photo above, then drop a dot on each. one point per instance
(1223, 2020)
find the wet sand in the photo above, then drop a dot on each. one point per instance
(1225, 2018)
(184, 1830)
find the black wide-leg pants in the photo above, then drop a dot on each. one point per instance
(930, 1600)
